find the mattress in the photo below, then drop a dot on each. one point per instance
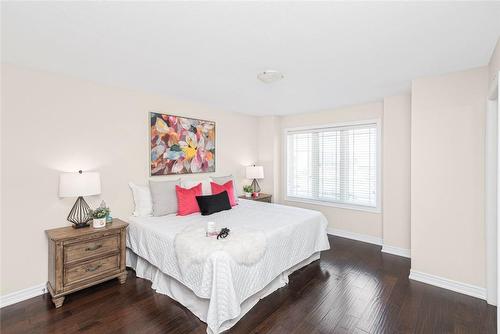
(292, 235)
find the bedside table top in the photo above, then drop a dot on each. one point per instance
(260, 197)
(69, 232)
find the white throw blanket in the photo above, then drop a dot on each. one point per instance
(192, 246)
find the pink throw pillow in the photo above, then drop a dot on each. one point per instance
(228, 186)
(186, 200)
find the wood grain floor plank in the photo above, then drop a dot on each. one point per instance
(354, 288)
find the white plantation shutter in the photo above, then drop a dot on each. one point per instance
(333, 164)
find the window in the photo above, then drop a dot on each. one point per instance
(337, 165)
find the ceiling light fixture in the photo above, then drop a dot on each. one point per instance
(269, 76)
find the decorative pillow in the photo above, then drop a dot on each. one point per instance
(228, 187)
(213, 203)
(142, 200)
(224, 179)
(164, 197)
(205, 184)
(186, 200)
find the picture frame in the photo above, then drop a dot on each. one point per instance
(181, 145)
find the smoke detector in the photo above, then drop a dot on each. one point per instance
(269, 76)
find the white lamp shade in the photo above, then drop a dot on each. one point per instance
(255, 172)
(79, 184)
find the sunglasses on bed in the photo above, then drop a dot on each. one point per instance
(223, 233)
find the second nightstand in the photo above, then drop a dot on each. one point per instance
(261, 198)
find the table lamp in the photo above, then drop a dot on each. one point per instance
(78, 185)
(255, 172)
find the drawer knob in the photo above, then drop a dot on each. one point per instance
(90, 269)
(93, 248)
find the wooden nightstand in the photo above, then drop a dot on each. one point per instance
(79, 258)
(262, 198)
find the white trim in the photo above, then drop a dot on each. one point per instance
(404, 252)
(490, 207)
(355, 236)
(498, 196)
(445, 283)
(378, 123)
(346, 206)
(494, 88)
(19, 296)
(333, 125)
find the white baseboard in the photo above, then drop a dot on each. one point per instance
(371, 240)
(445, 283)
(404, 252)
(19, 296)
(355, 236)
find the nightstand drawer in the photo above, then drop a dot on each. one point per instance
(91, 248)
(89, 269)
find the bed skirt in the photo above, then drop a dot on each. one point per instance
(164, 284)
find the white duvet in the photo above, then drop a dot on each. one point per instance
(292, 235)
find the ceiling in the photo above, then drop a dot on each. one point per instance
(332, 54)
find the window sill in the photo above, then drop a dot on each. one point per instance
(334, 204)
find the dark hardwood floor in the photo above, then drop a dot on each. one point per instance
(353, 289)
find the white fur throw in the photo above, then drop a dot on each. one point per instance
(242, 245)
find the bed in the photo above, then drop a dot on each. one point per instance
(220, 290)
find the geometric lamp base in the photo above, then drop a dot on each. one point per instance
(80, 213)
(255, 186)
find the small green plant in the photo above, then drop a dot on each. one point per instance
(99, 213)
(248, 189)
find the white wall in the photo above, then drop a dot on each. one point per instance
(360, 222)
(392, 226)
(268, 138)
(494, 64)
(396, 171)
(52, 123)
(447, 175)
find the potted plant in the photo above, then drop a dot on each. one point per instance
(248, 190)
(99, 217)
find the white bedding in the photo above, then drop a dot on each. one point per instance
(292, 234)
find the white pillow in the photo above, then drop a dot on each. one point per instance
(142, 199)
(206, 188)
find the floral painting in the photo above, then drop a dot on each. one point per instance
(180, 145)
